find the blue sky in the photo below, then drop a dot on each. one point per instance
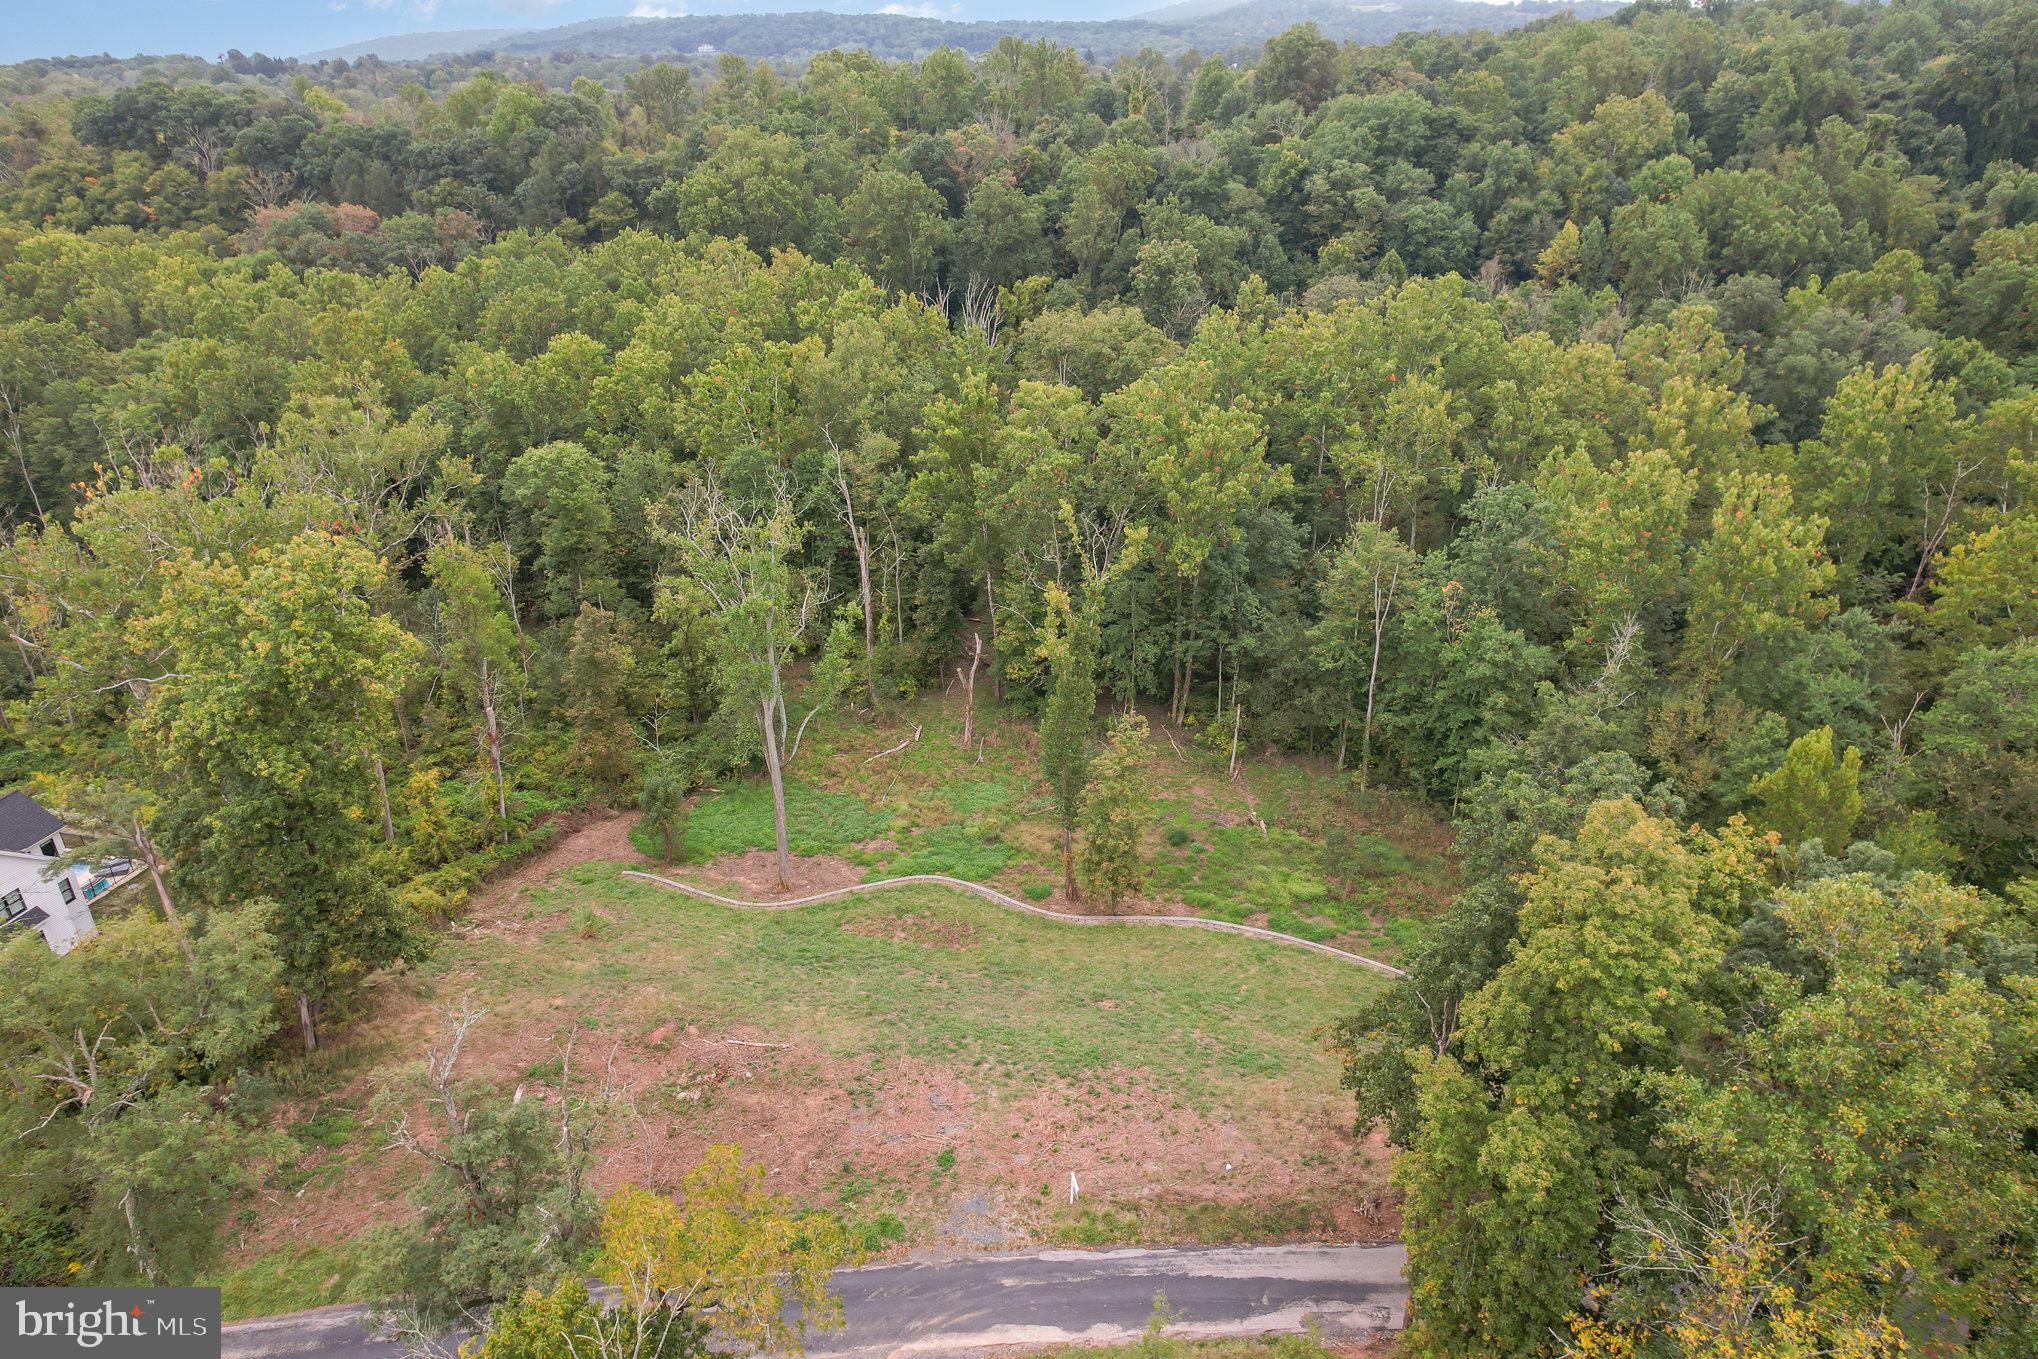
(207, 28)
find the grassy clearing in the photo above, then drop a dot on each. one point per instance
(312, 1276)
(956, 850)
(1198, 1223)
(1331, 864)
(739, 818)
(888, 998)
(1203, 1015)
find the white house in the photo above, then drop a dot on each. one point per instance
(33, 892)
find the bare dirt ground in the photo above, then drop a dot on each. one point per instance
(754, 876)
(959, 1165)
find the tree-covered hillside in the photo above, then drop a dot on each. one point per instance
(1221, 29)
(1620, 435)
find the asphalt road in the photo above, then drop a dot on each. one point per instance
(973, 1303)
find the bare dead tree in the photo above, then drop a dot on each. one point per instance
(451, 1113)
(204, 151)
(267, 188)
(1898, 733)
(1720, 1254)
(969, 689)
(859, 535)
(439, 1065)
(1606, 689)
(74, 1070)
(982, 309)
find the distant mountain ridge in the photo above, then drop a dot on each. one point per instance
(417, 46)
(1204, 25)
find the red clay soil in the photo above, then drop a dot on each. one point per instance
(599, 836)
(753, 876)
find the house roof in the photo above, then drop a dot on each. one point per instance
(24, 822)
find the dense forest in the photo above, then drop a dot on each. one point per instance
(1622, 435)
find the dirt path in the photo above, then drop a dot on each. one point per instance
(600, 835)
(993, 895)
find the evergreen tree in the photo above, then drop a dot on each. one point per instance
(600, 671)
(1115, 814)
(1066, 721)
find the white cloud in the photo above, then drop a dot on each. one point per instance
(913, 11)
(649, 11)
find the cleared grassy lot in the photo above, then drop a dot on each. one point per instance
(934, 975)
(1287, 842)
(929, 1067)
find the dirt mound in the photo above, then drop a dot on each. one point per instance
(754, 875)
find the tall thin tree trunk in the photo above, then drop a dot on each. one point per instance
(493, 736)
(509, 585)
(21, 454)
(991, 618)
(304, 1023)
(1068, 865)
(861, 539)
(1382, 602)
(144, 1260)
(869, 613)
(969, 689)
(773, 764)
(382, 789)
(155, 866)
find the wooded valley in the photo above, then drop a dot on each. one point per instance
(1615, 441)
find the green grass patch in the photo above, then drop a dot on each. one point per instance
(1287, 922)
(1094, 1227)
(1017, 999)
(327, 1128)
(1360, 855)
(315, 1276)
(1212, 1224)
(977, 796)
(739, 818)
(952, 850)
(1234, 872)
(870, 1235)
(1405, 933)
